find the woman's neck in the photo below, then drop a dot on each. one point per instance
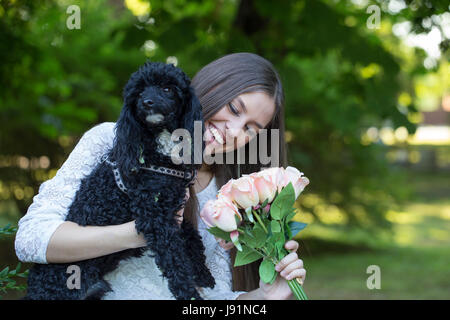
(205, 168)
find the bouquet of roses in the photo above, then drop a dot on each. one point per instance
(255, 213)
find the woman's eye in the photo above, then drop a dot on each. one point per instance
(167, 89)
(233, 109)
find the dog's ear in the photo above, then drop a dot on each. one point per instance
(192, 114)
(133, 88)
(127, 141)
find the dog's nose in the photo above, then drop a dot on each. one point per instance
(148, 103)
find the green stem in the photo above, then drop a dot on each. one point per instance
(261, 254)
(260, 222)
(297, 290)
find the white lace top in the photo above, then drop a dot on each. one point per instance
(135, 278)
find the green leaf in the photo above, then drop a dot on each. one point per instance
(257, 238)
(270, 247)
(283, 203)
(4, 272)
(275, 212)
(238, 245)
(264, 203)
(8, 229)
(267, 272)
(279, 249)
(245, 256)
(290, 215)
(273, 238)
(5, 228)
(248, 213)
(236, 218)
(273, 279)
(296, 227)
(287, 231)
(215, 231)
(275, 226)
(263, 213)
(248, 232)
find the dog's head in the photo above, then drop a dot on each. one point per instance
(157, 97)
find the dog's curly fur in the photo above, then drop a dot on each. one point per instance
(153, 198)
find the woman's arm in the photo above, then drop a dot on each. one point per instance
(44, 236)
(72, 242)
(252, 295)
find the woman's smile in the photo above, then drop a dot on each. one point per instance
(213, 134)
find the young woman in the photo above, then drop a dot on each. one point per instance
(238, 92)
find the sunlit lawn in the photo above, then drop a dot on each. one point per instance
(405, 274)
(415, 265)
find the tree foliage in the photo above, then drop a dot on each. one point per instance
(7, 276)
(339, 79)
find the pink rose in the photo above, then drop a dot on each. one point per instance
(225, 190)
(207, 213)
(266, 184)
(296, 177)
(278, 176)
(220, 213)
(243, 192)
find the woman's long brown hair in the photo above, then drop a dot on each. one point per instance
(217, 84)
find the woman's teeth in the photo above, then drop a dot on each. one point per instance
(216, 134)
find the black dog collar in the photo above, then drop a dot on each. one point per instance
(159, 169)
(176, 173)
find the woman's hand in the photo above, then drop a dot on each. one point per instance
(227, 245)
(289, 267)
(137, 240)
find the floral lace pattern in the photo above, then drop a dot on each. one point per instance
(50, 206)
(140, 278)
(135, 278)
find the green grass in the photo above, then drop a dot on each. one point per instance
(405, 274)
(414, 262)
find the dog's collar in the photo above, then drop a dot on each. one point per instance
(187, 175)
(176, 173)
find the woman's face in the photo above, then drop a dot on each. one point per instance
(226, 130)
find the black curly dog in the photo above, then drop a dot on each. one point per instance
(157, 97)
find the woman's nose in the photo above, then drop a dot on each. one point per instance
(232, 132)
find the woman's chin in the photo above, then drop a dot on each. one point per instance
(213, 148)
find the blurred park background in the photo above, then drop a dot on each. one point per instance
(367, 87)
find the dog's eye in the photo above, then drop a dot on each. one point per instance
(167, 89)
